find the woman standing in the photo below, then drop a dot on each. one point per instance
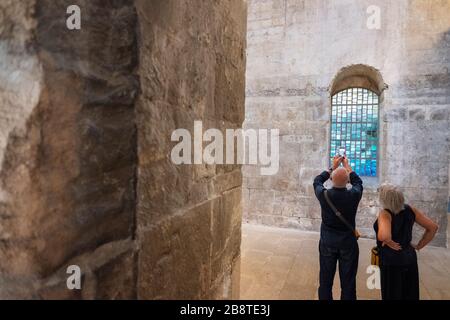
(398, 259)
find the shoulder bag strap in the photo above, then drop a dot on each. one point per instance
(339, 215)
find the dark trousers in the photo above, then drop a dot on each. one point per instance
(348, 267)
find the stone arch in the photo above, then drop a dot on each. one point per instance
(358, 75)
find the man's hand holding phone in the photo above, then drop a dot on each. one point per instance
(336, 162)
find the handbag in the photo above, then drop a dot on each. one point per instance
(375, 256)
(341, 217)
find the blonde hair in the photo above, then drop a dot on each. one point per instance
(391, 198)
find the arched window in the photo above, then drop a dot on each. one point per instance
(354, 127)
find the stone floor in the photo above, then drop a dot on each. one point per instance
(284, 264)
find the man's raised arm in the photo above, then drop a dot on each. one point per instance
(324, 176)
(318, 183)
(355, 180)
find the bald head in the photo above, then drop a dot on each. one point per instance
(340, 177)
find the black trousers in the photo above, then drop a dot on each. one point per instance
(400, 282)
(348, 267)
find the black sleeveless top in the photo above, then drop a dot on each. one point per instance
(401, 230)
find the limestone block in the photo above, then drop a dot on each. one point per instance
(177, 247)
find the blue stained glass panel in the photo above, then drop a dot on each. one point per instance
(354, 126)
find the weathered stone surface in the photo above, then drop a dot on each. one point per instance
(68, 149)
(108, 272)
(73, 148)
(192, 67)
(118, 278)
(300, 52)
(173, 249)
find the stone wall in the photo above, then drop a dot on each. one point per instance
(295, 50)
(76, 108)
(189, 216)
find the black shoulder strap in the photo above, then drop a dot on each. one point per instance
(337, 213)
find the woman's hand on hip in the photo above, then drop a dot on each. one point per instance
(393, 245)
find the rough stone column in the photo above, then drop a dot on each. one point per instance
(192, 67)
(67, 149)
(76, 108)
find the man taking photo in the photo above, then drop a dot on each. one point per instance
(338, 236)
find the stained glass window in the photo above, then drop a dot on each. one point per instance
(354, 127)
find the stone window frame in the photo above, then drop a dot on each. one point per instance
(367, 77)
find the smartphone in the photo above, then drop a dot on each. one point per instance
(341, 152)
